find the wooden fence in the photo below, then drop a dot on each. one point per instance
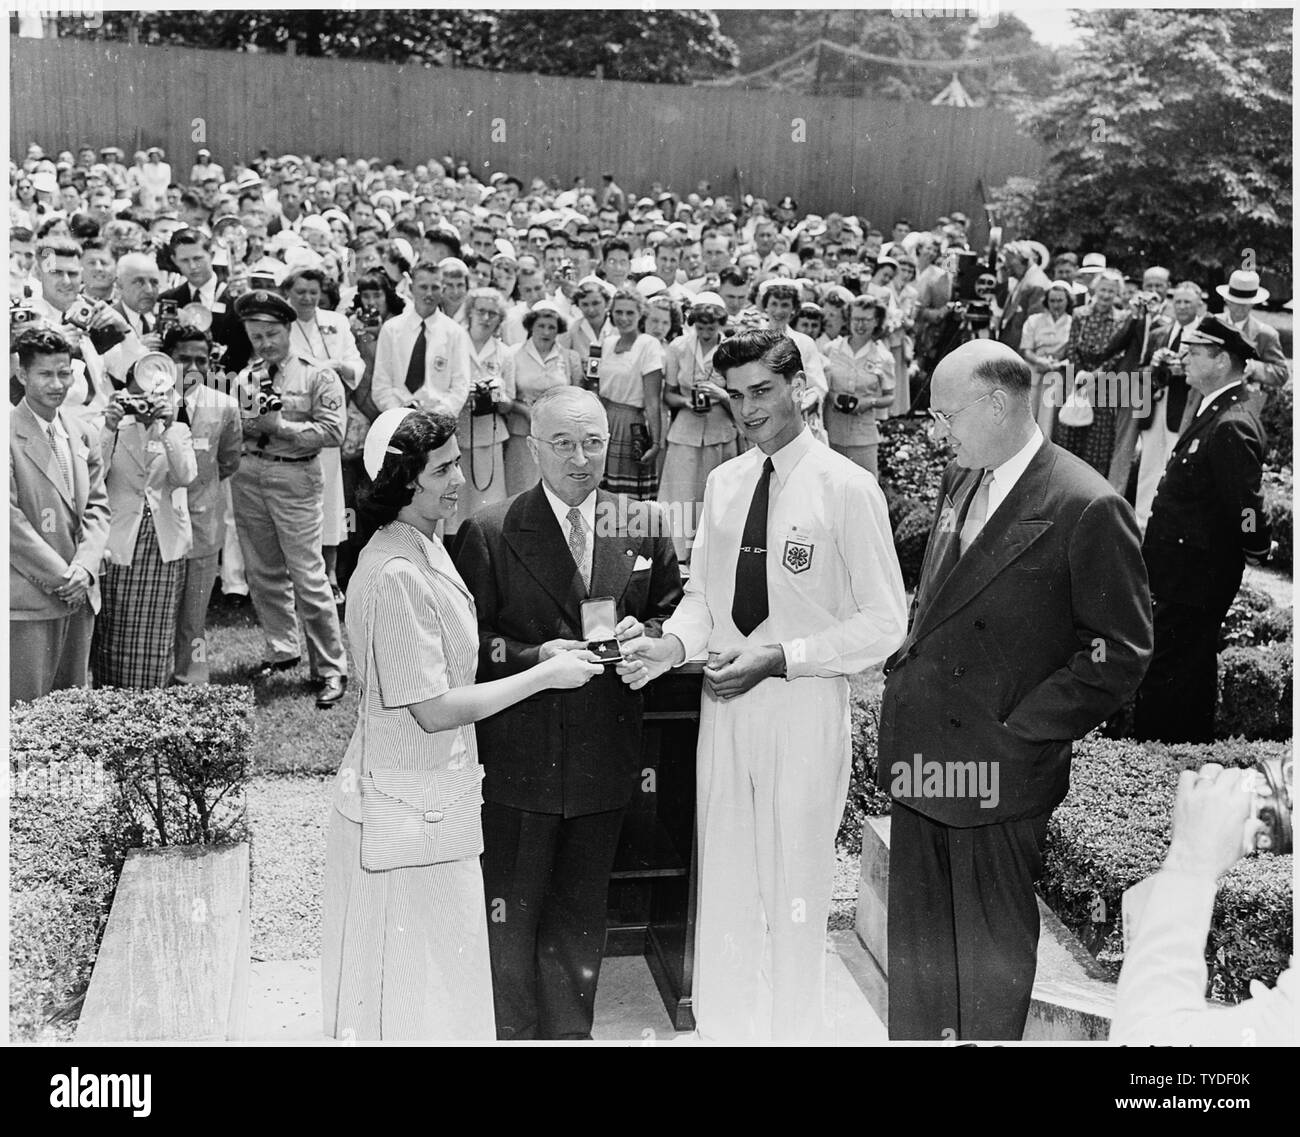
(875, 157)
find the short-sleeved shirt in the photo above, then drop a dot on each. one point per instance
(312, 416)
(621, 372)
(533, 375)
(495, 362)
(684, 366)
(867, 373)
(414, 633)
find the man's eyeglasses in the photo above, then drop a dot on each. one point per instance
(944, 418)
(567, 448)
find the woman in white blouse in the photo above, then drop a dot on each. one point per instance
(592, 299)
(631, 379)
(539, 364)
(1042, 343)
(481, 429)
(860, 372)
(702, 435)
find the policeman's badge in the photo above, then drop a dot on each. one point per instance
(798, 556)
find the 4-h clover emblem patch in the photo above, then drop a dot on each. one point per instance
(798, 556)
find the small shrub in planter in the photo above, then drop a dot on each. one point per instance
(93, 774)
(1112, 830)
(179, 755)
(1255, 692)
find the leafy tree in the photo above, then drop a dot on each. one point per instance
(1170, 140)
(669, 46)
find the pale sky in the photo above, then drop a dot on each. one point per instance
(1050, 22)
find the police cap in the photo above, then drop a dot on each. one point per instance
(264, 305)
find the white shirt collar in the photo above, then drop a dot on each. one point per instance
(787, 458)
(60, 429)
(587, 507)
(1008, 473)
(1208, 399)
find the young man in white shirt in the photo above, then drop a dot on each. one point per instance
(783, 632)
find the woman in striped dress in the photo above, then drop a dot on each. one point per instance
(631, 380)
(404, 952)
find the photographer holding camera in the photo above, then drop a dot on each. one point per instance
(1161, 994)
(481, 428)
(149, 462)
(861, 374)
(138, 281)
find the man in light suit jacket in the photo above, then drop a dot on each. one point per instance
(562, 766)
(1031, 624)
(1026, 292)
(1240, 295)
(58, 525)
(213, 418)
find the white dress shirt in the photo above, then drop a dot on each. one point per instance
(587, 508)
(835, 592)
(446, 363)
(1008, 474)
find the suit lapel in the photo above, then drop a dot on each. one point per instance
(37, 443)
(1016, 524)
(944, 547)
(614, 555)
(544, 551)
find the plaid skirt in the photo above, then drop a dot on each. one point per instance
(135, 633)
(623, 471)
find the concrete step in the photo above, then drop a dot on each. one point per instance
(1072, 999)
(284, 1001)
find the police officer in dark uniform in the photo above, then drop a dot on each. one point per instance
(277, 493)
(1206, 522)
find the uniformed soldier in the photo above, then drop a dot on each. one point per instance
(277, 494)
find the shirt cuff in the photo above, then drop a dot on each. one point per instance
(796, 659)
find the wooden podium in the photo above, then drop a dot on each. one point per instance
(652, 889)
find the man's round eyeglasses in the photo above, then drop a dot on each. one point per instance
(944, 418)
(567, 448)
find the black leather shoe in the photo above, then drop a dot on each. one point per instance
(269, 669)
(331, 691)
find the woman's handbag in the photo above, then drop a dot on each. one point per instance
(411, 818)
(1077, 410)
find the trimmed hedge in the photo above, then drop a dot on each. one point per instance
(94, 774)
(1254, 619)
(1112, 831)
(1255, 691)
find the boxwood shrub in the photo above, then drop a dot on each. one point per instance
(865, 798)
(92, 775)
(1277, 508)
(1112, 830)
(1276, 418)
(1255, 691)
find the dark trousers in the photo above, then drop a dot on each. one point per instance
(1178, 695)
(963, 927)
(546, 879)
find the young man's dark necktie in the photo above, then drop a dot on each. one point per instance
(749, 605)
(415, 369)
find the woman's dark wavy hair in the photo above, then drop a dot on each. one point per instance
(418, 436)
(379, 281)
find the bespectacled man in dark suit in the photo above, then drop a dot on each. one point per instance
(562, 766)
(1031, 624)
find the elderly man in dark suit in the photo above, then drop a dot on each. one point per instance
(1207, 521)
(58, 525)
(1031, 624)
(562, 766)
